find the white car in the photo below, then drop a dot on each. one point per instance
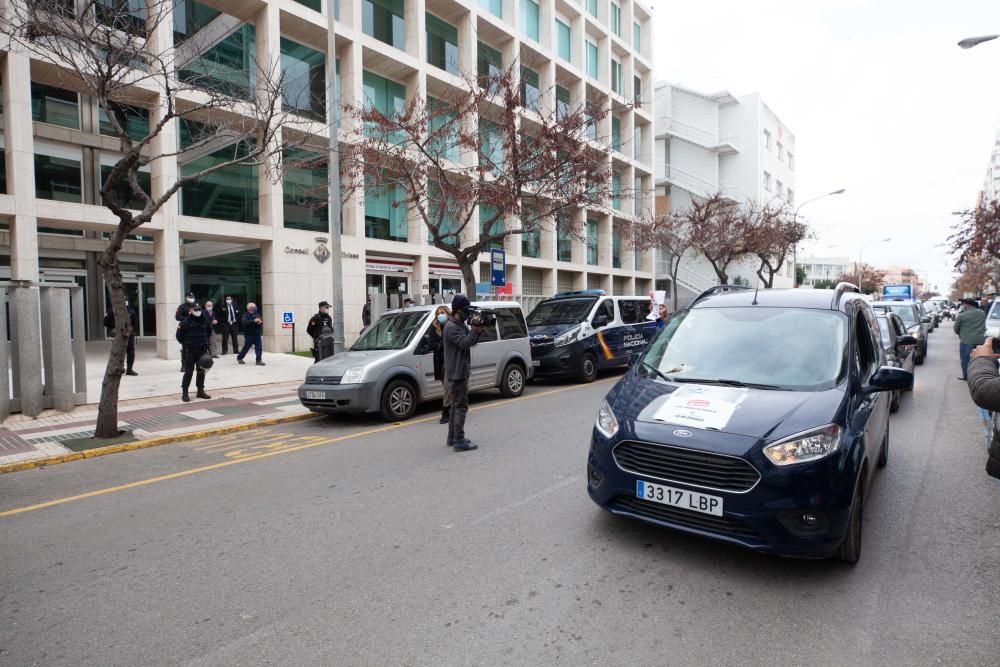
(993, 319)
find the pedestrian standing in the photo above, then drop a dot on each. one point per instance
(181, 314)
(366, 313)
(133, 320)
(458, 341)
(317, 324)
(194, 334)
(253, 326)
(662, 316)
(212, 315)
(230, 325)
(984, 386)
(970, 325)
(436, 333)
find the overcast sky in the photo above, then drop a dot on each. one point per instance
(880, 99)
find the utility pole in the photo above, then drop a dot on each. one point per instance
(333, 167)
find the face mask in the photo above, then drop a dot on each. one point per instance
(253, 310)
(464, 315)
(442, 318)
(324, 311)
(126, 304)
(190, 299)
(229, 300)
(208, 306)
(196, 313)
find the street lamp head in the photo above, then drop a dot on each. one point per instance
(839, 192)
(885, 240)
(970, 42)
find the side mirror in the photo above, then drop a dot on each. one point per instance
(906, 341)
(600, 321)
(925, 319)
(888, 378)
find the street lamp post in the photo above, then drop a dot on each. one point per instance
(970, 42)
(795, 218)
(857, 270)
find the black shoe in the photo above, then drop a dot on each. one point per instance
(445, 418)
(130, 372)
(261, 363)
(240, 361)
(185, 397)
(466, 446)
(215, 356)
(963, 379)
(201, 394)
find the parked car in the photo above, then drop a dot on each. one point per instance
(917, 324)
(577, 334)
(390, 369)
(899, 347)
(752, 418)
(993, 319)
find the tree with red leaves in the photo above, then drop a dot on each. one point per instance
(721, 232)
(670, 234)
(867, 278)
(772, 235)
(975, 242)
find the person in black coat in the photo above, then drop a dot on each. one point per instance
(252, 328)
(984, 387)
(133, 318)
(317, 323)
(182, 310)
(436, 342)
(229, 323)
(194, 335)
(458, 341)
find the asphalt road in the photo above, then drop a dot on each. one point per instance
(333, 543)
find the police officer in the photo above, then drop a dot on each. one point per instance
(317, 323)
(133, 319)
(458, 340)
(194, 335)
(181, 314)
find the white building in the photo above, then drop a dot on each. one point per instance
(719, 143)
(824, 268)
(991, 186)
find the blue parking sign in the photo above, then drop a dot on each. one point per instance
(287, 318)
(498, 267)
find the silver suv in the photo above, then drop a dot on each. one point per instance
(390, 369)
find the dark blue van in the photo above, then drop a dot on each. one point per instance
(753, 418)
(577, 334)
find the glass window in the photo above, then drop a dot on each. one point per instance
(490, 145)
(637, 91)
(590, 129)
(633, 311)
(125, 15)
(564, 245)
(767, 181)
(637, 37)
(311, 4)
(385, 212)
(637, 195)
(3, 171)
(637, 142)
(442, 135)
(791, 162)
(606, 309)
(529, 19)
(494, 7)
(55, 106)
(616, 76)
(531, 244)
(781, 152)
(530, 91)
(393, 331)
(58, 178)
(767, 140)
(592, 7)
(637, 259)
(190, 17)
(592, 67)
(135, 121)
(616, 133)
(486, 228)
(511, 323)
(563, 40)
(562, 102)
(616, 191)
(122, 193)
(489, 64)
(591, 242)
(228, 67)
(388, 97)
(303, 80)
(615, 18)
(304, 190)
(442, 44)
(561, 311)
(383, 20)
(227, 194)
(616, 250)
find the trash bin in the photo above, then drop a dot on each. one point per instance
(324, 344)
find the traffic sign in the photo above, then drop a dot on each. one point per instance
(498, 267)
(287, 325)
(287, 318)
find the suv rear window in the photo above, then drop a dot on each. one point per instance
(511, 323)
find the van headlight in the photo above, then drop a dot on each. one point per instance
(811, 446)
(567, 337)
(607, 423)
(352, 375)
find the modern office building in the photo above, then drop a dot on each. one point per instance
(719, 144)
(991, 184)
(239, 233)
(824, 268)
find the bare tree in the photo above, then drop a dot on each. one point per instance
(721, 231)
(109, 52)
(670, 234)
(772, 234)
(489, 156)
(976, 235)
(865, 276)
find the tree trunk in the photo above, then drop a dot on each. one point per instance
(107, 410)
(674, 270)
(468, 276)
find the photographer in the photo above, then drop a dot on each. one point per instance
(458, 340)
(984, 386)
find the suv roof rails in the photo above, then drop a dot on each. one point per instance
(840, 290)
(718, 289)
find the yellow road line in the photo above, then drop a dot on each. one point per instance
(265, 455)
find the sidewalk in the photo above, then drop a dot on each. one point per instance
(23, 440)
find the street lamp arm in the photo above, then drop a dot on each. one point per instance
(970, 42)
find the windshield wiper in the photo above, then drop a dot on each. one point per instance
(656, 370)
(728, 383)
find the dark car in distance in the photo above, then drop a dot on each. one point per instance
(899, 347)
(917, 323)
(754, 418)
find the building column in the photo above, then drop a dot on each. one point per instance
(20, 157)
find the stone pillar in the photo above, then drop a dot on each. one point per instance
(4, 359)
(20, 157)
(27, 337)
(79, 347)
(59, 368)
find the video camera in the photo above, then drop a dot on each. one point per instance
(482, 317)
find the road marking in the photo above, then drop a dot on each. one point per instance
(277, 452)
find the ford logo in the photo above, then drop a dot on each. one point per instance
(682, 433)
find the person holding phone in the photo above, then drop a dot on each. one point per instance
(984, 386)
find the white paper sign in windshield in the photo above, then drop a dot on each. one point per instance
(701, 406)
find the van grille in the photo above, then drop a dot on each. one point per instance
(674, 464)
(324, 379)
(674, 515)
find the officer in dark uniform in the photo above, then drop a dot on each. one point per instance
(181, 314)
(133, 319)
(194, 334)
(317, 323)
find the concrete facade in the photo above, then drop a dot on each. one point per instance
(823, 268)
(991, 184)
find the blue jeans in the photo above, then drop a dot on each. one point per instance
(248, 340)
(964, 350)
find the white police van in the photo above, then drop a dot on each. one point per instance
(576, 334)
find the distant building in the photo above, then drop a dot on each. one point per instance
(991, 185)
(823, 268)
(719, 143)
(905, 275)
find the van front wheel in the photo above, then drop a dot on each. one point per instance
(399, 401)
(512, 382)
(588, 368)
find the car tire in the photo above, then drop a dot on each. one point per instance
(883, 453)
(513, 381)
(894, 404)
(399, 401)
(919, 360)
(588, 368)
(849, 550)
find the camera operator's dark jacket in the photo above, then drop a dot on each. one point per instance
(458, 340)
(984, 385)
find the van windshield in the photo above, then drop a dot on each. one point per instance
(392, 332)
(561, 311)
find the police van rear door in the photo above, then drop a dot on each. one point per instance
(637, 331)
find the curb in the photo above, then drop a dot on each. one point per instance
(151, 442)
